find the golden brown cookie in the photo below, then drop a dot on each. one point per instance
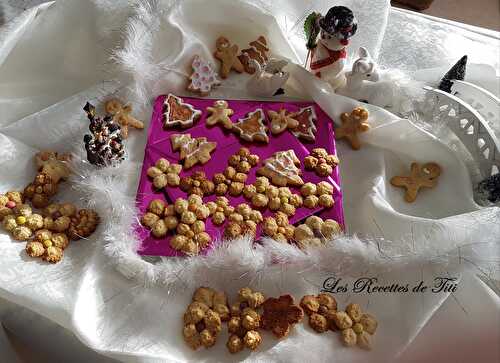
(164, 174)
(220, 113)
(227, 55)
(197, 183)
(122, 114)
(353, 124)
(421, 176)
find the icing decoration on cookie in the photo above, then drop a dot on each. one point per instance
(252, 128)
(280, 121)
(192, 151)
(306, 128)
(179, 113)
(227, 54)
(420, 176)
(121, 114)
(220, 113)
(353, 124)
(283, 169)
(257, 51)
(204, 77)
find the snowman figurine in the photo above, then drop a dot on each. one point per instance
(328, 37)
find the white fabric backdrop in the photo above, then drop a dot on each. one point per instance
(55, 58)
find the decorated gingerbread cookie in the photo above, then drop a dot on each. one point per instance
(257, 51)
(179, 113)
(227, 54)
(280, 121)
(192, 151)
(282, 169)
(306, 128)
(252, 128)
(421, 176)
(220, 113)
(203, 78)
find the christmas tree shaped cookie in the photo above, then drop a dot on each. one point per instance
(204, 77)
(252, 128)
(306, 128)
(258, 51)
(179, 113)
(192, 151)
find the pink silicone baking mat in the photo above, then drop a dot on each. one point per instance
(158, 145)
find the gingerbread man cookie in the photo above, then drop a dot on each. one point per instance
(220, 113)
(179, 113)
(421, 176)
(53, 164)
(252, 128)
(192, 151)
(352, 125)
(280, 121)
(227, 54)
(306, 128)
(121, 114)
(282, 169)
(203, 78)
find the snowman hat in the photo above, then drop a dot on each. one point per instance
(340, 22)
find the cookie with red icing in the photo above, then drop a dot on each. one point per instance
(306, 128)
(179, 113)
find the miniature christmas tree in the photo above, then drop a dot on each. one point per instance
(490, 188)
(457, 72)
(104, 143)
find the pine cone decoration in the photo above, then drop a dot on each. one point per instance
(41, 190)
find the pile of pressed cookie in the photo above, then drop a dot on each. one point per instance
(251, 312)
(49, 230)
(185, 220)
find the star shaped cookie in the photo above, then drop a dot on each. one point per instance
(280, 121)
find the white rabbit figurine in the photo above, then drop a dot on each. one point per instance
(267, 79)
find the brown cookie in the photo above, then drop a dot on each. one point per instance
(353, 124)
(220, 113)
(122, 114)
(306, 128)
(252, 128)
(421, 176)
(257, 51)
(227, 55)
(178, 113)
